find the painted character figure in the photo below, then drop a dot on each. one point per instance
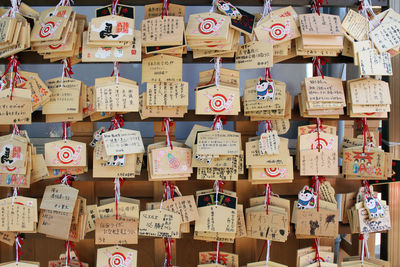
(374, 207)
(355, 166)
(265, 90)
(117, 160)
(229, 9)
(97, 136)
(307, 198)
(363, 168)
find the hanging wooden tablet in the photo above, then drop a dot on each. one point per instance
(255, 54)
(65, 96)
(372, 63)
(51, 24)
(162, 68)
(159, 223)
(155, 10)
(116, 256)
(225, 258)
(65, 153)
(116, 95)
(162, 31)
(209, 26)
(111, 30)
(130, 53)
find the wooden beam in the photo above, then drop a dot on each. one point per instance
(30, 57)
(347, 3)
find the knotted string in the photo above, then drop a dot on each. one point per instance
(367, 138)
(367, 190)
(73, 248)
(65, 126)
(318, 62)
(16, 130)
(14, 9)
(214, 3)
(217, 67)
(219, 122)
(167, 123)
(12, 66)
(118, 182)
(317, 256)
(116, 122)
(18, 248)
(318, 130)
(66, 179)
(218, 246)
(165, 8)
(116, 72)
(316, 6)
(364, 247)
(67, 70)
(267, 197)
(67, 252)
(267, 9)
(218, 186)
(268, 251)
(365, 8)
(268, 74)
(114, 6)
(168, 251)
(316, 183)
(169, 190)
(15, 194)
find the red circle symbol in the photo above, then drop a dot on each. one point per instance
(217, 103)
(46, 29)
(278, 32)
(207, 26)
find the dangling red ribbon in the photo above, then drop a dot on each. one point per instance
(318, 130)
(67, 68)
(114, 5)
(268, 74)
(65, 126)
(118, 182)
(217, 249)
(316, 183)
(66, 179)
(13, 64)
(165, 127)
(267, 197)
(316, 5)
(169, 190)
(318, 62)
(365, 184)
(366, 133)
(165, 8)
(317, 257)
(219, 119)
(72, 247)
(168, 251)
(16, 130)
(116, 122)
(67, 252)
(18, 248)
(116, 67)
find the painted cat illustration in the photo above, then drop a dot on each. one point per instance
(307, 198)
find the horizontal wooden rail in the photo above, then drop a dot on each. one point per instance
(333, 3)
(30, 57)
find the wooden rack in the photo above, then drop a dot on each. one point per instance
(185, 250)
